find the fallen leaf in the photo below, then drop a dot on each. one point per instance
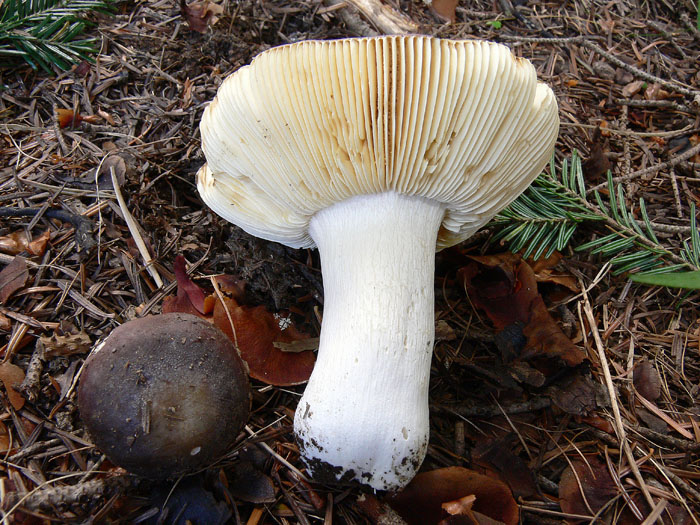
(274, 350)
(499, 458)
(200, 15)
(461, 506)
(188, 501)
(599, 423)
(247, 483)
(505, 287)
(18, 242)
(575, 394)
(12, 376)
(82, 69)
(646, 380)
(256, 332)
(602, 68)
(445, 9)
(444, 332)
(656, 92)
(694, 140)
(545, 272)
(420, 503)
(13, 277)
(650, 420)
(63, 381)
(5, 439)
(190, 297)
(632, 88)
(593, 479)
(69, 118)
(597, 164)
(187, 88)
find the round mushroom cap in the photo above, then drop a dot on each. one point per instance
(164, 395)
(310, 124)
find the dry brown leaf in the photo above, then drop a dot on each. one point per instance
(200, 15)
(497, 457)
(599, 423)
(632, 88)
(459, 506)
(190, 297)
(274, 350)
(17, 242)
(13, 277)
(257, 331)
(646, 380)
(5, 440)
(187, 88)
(420, 503)
(596, 166)
(694, 140)
(69, 118)
(12, 376)
(445, 9)
(656, 92)
(444, 332)
(5, 323)
(593, 479)
(505, 287)
(248, 483)
(575, 394)
(545, 272)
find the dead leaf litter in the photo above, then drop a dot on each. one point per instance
(588, 386)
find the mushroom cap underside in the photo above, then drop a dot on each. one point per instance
(310, 124)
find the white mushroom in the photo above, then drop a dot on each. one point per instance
(377, 151)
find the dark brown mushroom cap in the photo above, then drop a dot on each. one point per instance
(164, 395)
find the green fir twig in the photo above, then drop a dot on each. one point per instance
(545, 218)
(44, 33)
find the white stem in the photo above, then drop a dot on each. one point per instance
(364, 413)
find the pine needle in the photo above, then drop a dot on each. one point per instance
(44, 33)
(547, 215)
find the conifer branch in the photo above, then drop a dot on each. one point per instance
(44, 33)
(548, 214)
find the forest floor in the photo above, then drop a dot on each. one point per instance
(604, 430)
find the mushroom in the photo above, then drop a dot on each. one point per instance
(378, 151)
(164, 395)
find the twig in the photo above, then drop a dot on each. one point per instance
(617, 418)
(64, 496)
(656, 512)
(586, 41)
(675, 86)
(350, 15)
(509, 9)
(667, 440)
(303, 520)
(532, 405)
(629, 133)
(134, 230)
(277, 456)
(33, 449)
(653, 104)
(687, 154)
(540, 40)
(83, 227)
(388, 20)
